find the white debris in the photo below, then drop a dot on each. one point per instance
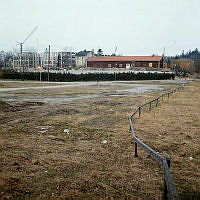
(66, 131)
(104, 141)
(43, 127)
(45, 171)
(191, 158)
(44, 131)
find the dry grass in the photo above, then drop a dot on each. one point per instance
(2, 85)
(40, 161)
(19, 84)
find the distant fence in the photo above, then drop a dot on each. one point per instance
(169, 191)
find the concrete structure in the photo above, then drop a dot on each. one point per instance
(125, 61)
(26, 60)
(57, 61)
(82, 56)
(6, 59)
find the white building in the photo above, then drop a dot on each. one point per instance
(82, 56)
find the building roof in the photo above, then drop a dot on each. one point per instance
(125, 58)
(82, 53)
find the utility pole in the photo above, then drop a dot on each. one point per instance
(21, 57)
(163, 52)
(13, 62)
(48, 61)
(61, 60)
(164, 60)
(21, 63)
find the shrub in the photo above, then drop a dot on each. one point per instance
(127, 76)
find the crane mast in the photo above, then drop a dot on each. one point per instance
(21, 46)
(29, 35)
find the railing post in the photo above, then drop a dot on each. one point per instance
(168, 95)
(139, 111)
(150, 106)
(156, 102)
(165, 192)
(136, 154)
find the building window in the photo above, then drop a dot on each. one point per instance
(109, 65)
(150, 64)
(121, 65)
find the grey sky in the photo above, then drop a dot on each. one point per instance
(137, 27)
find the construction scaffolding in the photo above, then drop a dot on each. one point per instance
(30, 60)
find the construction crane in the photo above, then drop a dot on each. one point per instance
(21, 43)
(21, 48)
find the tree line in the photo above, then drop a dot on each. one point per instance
(187, 62)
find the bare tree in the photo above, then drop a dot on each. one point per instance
(183, 65)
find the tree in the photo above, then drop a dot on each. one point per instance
(99, 52)
(183, 65)
(197, 66)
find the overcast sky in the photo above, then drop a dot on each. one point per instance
(136, 27)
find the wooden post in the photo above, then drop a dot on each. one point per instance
(150, 106)
(136, 154)
(156, 102)
(139, 111)
(165, 186)
(168, 95)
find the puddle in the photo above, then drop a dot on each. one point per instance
(142, 88)
(54, 99)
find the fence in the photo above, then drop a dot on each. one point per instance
(169, 191)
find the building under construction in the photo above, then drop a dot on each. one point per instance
(53, 61)
(27, 60)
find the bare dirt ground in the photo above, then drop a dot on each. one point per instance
(82, 149)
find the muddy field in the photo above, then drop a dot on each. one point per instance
(72, 140)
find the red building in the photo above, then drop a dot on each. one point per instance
(125, 61)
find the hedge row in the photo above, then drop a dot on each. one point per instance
(86, 77)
